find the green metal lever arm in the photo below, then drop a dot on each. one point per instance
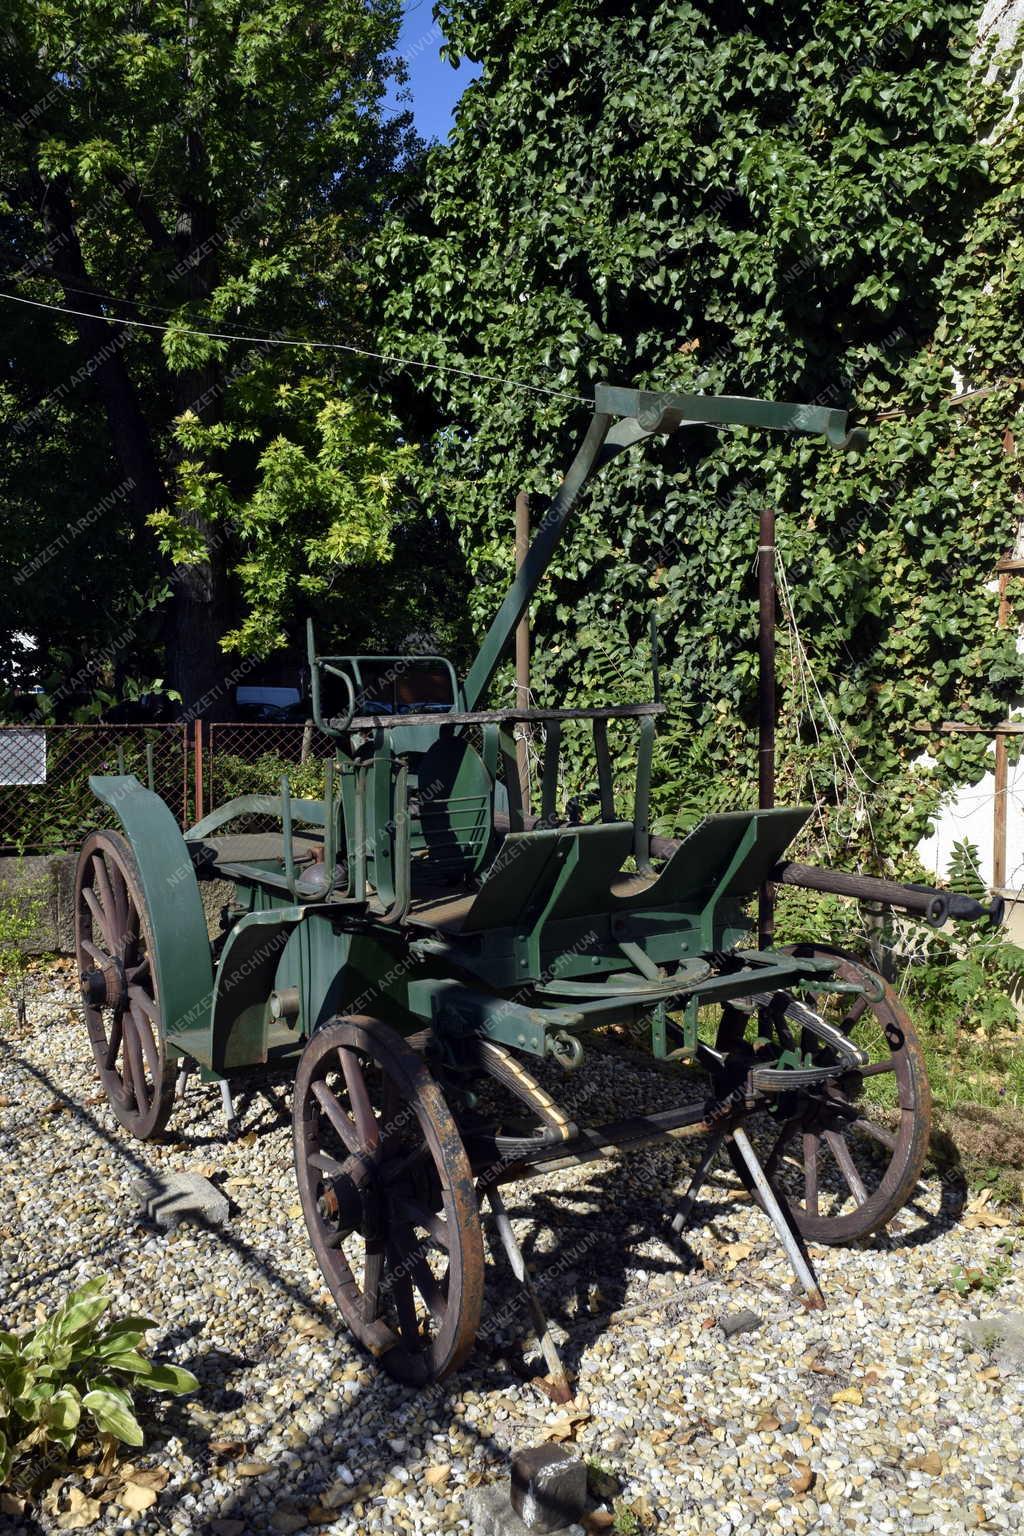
(641, 414)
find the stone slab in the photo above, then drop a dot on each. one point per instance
(491, 1514)
(168, 1199)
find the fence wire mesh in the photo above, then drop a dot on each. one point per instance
(249, 757)
(46, 805)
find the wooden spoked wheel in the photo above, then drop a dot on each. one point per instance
(388, 1196)
(119, 986)
(848, 1157)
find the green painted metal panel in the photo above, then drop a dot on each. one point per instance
(512, 881)
(184, 972)
(776, 829)
(594, 856)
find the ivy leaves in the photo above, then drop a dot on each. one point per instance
(800, 202)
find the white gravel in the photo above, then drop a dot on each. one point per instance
(703, 1435)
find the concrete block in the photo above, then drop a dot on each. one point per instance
(491, 1514)
(549, 1487)
(168, 1199)
(1002, 1336)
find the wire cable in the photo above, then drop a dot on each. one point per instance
(296, 341)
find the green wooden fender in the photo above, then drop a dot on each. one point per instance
(182, 964)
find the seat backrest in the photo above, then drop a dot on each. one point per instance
(452, 810)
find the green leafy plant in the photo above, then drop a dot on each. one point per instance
(21, 908)
(70, 1371)
(989, 1278)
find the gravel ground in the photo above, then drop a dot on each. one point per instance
(878, 1415)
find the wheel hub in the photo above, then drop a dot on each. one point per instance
(105, 987)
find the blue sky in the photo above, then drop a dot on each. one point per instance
(434, 84)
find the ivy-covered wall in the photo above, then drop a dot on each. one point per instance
(804, 201)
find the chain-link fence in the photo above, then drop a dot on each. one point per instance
(249, 757)
(46, 805)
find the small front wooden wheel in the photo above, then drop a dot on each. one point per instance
(120, 996)
(388, 1197)
(848, 1157)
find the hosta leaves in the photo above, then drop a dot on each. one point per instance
(111, 1417)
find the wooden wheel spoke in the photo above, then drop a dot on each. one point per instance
(876, 1068)
(114, 1041)
(102, 888)
(811, 1173)
(373, 1269)
(328, 1165)
(122, 902)
(143, 1003)
(875, 1132)
(149, 1045)
(408, 1250)
(100, 917)
(416, 1215)
(359, 1098)
(337, 1116)
(405, 1306)
(847, 1167)
(133, 1057)
(95, 953)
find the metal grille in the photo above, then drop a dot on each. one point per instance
(46, 805)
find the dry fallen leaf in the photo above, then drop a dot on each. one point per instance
(227, 1447)
(434, 1477)
(734, 1252)
(81, 1511)
(987, 1218)
(11, 1504)
(152, 1477)
(136, 1497)
(849, 1395)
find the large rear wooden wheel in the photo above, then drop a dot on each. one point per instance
(846, 1158)
(120, 996)
(388, 1197)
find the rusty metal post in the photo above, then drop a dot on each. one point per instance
(199, 769)
(523, 655)
(1001, 776)
(766, 701)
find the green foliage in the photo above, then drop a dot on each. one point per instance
(21, 909)
(967, 981)
(71, 1372)
(262, 776)
(791, 201)
(219, 169)
(989, 1278)
(962, 871)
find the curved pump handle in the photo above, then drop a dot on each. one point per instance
(665, 412)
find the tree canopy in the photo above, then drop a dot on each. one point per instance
(803, 202)
(205, 165)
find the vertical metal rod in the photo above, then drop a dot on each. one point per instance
(199, 769)
(766, 701)
(513, 1252)
(522, 731)
(775, 1214)
(150, 771)
(286, 833)
(330, 825)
